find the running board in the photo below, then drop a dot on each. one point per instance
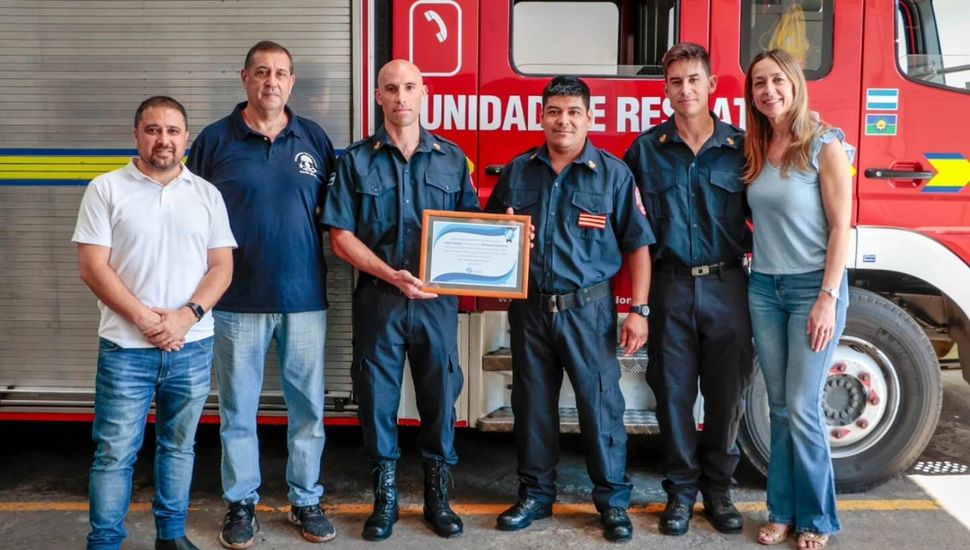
(501, 360)
(636, 421)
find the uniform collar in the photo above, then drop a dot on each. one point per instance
(724, 135)
(426, 142)
(240, 129)
(589, 157)
(133, 172)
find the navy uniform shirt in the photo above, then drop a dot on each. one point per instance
(695, 204)
(380, 197)
(585, 217)
(272, 190)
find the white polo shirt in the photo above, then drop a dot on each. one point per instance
(159, 236)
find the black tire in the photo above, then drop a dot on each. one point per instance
(898, 348)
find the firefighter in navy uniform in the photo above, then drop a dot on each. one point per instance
(373, 209)
(689, 171)
(587, 213)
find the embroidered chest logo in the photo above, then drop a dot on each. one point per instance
(592, 221)
(306, 164)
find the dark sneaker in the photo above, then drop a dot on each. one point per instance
(240, 526)
(316, 526)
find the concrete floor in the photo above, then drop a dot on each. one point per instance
(43, 492)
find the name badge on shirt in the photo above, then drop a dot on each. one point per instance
(592, 221)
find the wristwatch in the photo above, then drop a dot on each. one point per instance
(196, 310)
(642, 310)
(834, 293)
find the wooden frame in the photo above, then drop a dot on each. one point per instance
(510, 283)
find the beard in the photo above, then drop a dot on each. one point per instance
(158, 163)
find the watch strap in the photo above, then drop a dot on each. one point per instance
(197, 310)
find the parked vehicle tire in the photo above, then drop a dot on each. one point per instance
(882, 398)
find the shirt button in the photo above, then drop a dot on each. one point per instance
(693, 225)
(691, 195)
(408, 231)
(407, 262)
(407, 201)
(265, 138)
(553, 213)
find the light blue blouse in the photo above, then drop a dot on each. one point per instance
(791, 231)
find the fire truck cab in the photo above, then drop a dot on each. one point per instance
(893, 74)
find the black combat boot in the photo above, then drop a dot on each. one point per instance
(381, 522)
(443, 520)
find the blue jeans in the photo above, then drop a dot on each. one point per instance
(127, 380)
(801, 482)
(240, 352)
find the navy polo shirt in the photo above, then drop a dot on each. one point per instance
(380, 197)
(272, 190)
(585, 217)
(695, 204)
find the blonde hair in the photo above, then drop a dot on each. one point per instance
(803, 125)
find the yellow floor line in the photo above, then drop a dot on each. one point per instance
(488, 509)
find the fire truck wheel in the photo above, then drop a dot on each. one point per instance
(881, 400)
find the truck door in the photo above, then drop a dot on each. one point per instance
(916, 92)
(615, 46)
(822, 34)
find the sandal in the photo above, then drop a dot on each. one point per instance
(807, 537)
(771, 534)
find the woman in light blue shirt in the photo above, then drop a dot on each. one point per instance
(800, 192)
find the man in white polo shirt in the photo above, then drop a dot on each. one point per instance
(154, 245)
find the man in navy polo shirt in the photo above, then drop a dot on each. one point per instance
(272, 168)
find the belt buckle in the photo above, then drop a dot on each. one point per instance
(700, 271)
(551, 303)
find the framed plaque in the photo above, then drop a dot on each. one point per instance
(475, 254)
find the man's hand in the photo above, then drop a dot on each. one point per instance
(147, 319)
(633, 335)
(169, 334)
(410, 286)
(532, 228)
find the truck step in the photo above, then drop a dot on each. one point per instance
(501, 360)
(636, 421)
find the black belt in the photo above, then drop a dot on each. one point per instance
(698, 270)
(554, 303)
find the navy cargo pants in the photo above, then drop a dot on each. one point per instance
(700, 329)
(387, 327)
(581, 341)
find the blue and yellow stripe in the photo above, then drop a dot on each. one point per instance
(952, 173)
(59, 166)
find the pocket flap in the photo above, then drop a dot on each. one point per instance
(593, 203)
(728, 180)
(447, 182)
(374, 183)
(657, 182)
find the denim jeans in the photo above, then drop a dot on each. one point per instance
(240, 351)
(801, 482)
(127, 380)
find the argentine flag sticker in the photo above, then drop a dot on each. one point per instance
(882, 99)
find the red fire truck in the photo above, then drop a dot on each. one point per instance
(894, 74)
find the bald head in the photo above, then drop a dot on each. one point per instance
(400, 93)
(399, 68)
